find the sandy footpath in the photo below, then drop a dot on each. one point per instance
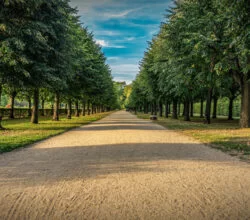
(122, 168)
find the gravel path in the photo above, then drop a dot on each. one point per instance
(122, 168)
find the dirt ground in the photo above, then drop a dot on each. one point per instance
(122, 168)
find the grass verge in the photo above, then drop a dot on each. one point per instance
(20, 132)
(221, 134)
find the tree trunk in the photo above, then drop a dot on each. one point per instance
(56, 107)
(166, 108)
(149, 108)
(69, 110)
(201, 109)
(152, 109)
(43, 110)
(230, 109)
(66, 109)
(83, 108)
(88, 106)
(155, 108)
(245, 104)
(160, 108)
(92, 108)
(215, 107)
(12, 103)
(1, 127)
(179, 109)
(174, 114)
(1, 117)
(35, 110)
(1, 90)
(145, 109)
(77, 109)
(208, 107)
(29, 107)
(191, 109)
(183, 112)
(186, 113)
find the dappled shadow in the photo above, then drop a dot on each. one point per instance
(35, 166)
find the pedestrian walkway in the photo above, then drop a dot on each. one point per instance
(122, 167)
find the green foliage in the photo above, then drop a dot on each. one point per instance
(200, 52)
(43, 45)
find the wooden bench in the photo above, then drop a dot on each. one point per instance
(153, 117)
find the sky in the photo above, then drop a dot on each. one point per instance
(123, 29)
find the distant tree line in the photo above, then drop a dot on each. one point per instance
(45, 52)
(201, 53)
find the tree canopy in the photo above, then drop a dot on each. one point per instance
(202, 51)
(44, 47)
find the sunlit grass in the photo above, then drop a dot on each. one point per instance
(222, 134)
(20, 132)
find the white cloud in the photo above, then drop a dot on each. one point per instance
(102, 43)
(108, 33)
(116, 46)
(113, 58)
(106, 44)
(120, 79)
(125, 69)
(153, 32)
(130, 38)
(121, 14)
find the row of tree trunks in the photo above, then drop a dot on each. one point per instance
(189, 111)
(94, 109)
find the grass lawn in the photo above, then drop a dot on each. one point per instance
(20, 132)
(222, 134)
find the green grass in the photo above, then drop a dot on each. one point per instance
(20, 132)
(221, 134)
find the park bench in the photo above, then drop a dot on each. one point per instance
(153, 117)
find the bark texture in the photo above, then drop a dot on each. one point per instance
(35, 110)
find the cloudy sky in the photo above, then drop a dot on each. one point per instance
(122, 28)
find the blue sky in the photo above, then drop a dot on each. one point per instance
(122, 28)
